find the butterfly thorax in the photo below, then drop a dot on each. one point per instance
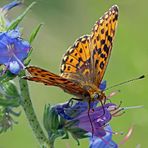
(95, 94)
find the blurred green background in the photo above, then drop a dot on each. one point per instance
(65, 21)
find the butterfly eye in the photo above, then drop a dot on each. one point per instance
(95, 96)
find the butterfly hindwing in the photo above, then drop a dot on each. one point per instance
(43, 76)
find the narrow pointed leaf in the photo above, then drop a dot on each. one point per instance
(34, 33)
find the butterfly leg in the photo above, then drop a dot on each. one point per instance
(76, 99)
(70, 102)
(89, 109)
(102, 104)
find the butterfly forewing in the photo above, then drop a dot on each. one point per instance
(101, 41)
(75, 63)
(48, 78)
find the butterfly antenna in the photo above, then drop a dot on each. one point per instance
(141, 77)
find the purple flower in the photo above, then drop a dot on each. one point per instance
(14, 51)
(70, 111)
(96, 120)
(103, 142)
(99, 117)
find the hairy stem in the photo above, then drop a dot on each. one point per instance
(31, 116)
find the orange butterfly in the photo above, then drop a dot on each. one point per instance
(84, 64)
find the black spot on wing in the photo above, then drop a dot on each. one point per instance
(110, 39)
(102, 42)
(106, 49)
(102, 65)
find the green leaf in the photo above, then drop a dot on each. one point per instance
(15, 23)
(66, 136)
(2, 23)
(51, 119)
(34, 33)
(75, 138)
(9, 95)
(31, 39)
(78, 133)
(12, 102)
(28, 59)
(6, 119)
(10, 89)
(45, 117)
(7, 76)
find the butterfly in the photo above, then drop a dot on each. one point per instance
(84, 64)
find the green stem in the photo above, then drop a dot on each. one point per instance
(31, 116)
(51, 144)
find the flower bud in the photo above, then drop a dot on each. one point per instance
(9, 95)
(9, 90)
(51, 119)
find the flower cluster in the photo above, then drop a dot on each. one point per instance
(14, 50)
